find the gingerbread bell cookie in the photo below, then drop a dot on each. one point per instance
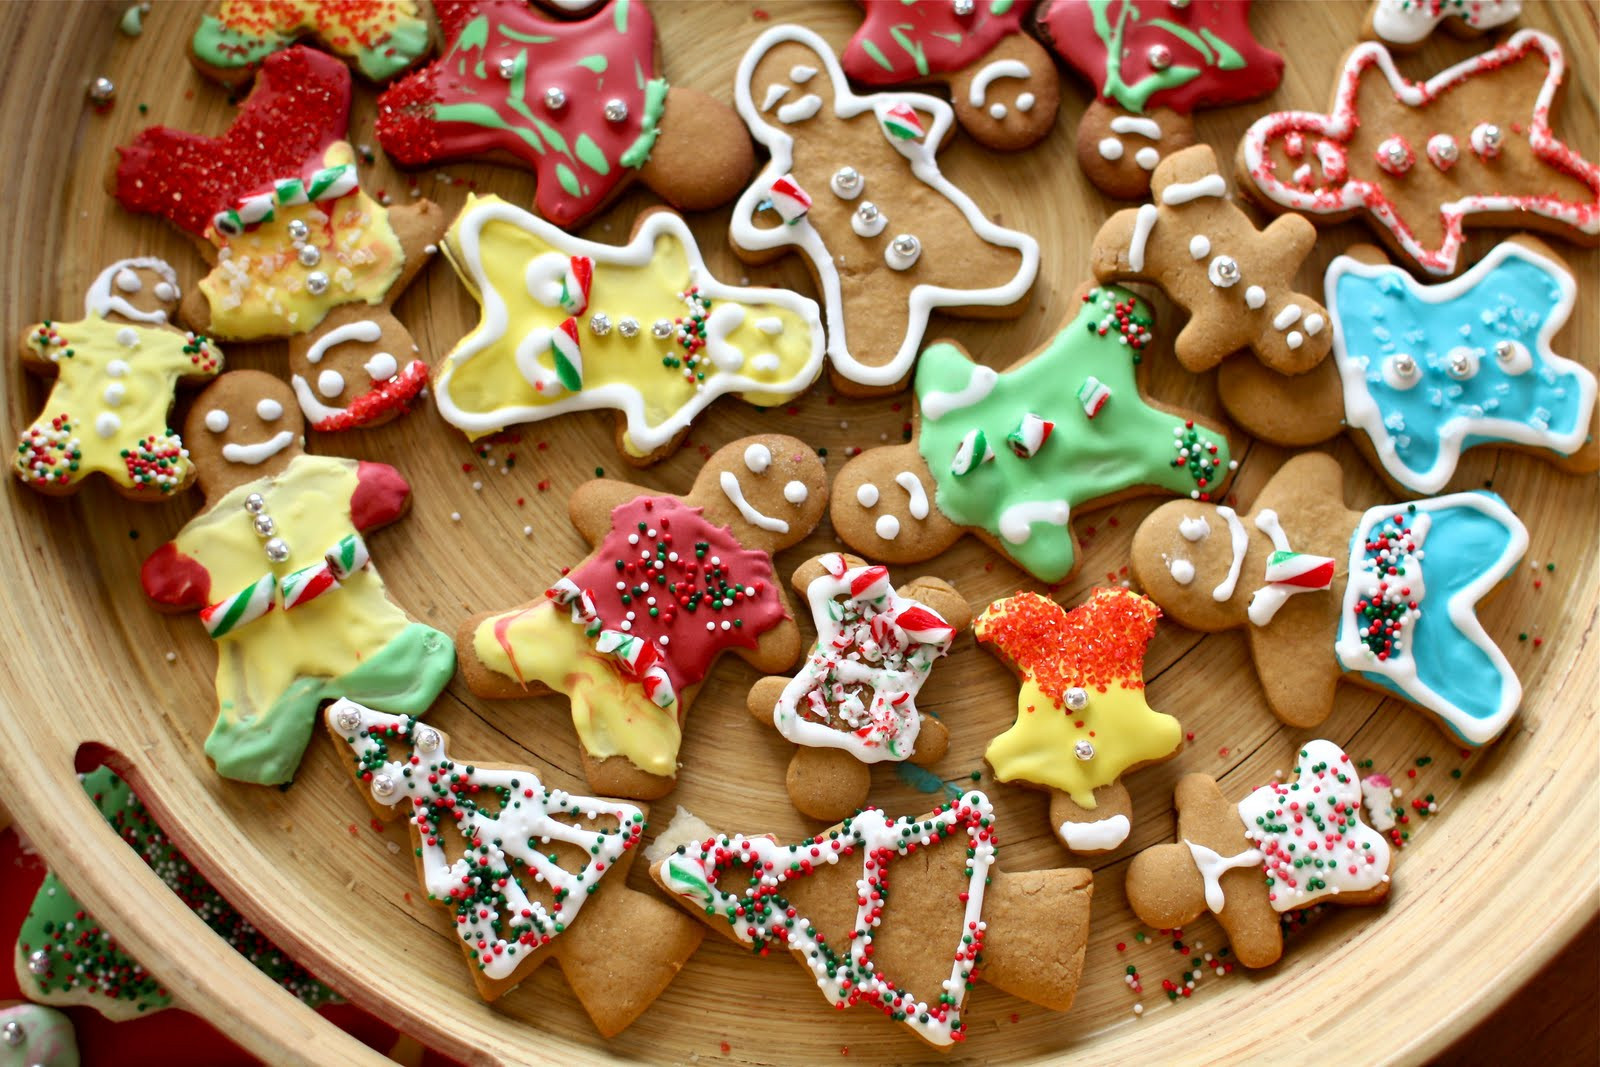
(955, 917)
(572, 325)
(854, 185)
(280, 572)
(630, 633)
(854, 702)
(1406, 24)
(1011, 456)
(297, 248)
(1421, 160)
(114, 374)
(582, 103)
(1286, 846)
(1422, 373)
(1233, 279)
(1082, 720)
(1002, 84)
(1152, 63)
(516, 863)
(379, 38)
(1385, 598)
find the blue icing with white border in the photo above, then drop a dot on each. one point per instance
(1432, 370)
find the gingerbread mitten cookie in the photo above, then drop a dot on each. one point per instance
(1233, 279)
(1422, 373)
(1384, 598)
(298, 249)
(1421, 160)
(1082, 721)
(571, 325)
(279, 570)
(1406, 24)
(380, 39)
(1002, 84)
(629, 633)
(1152, 63)
(580, 103)
(115, 370)
(854, 185)
(537, 857)
(854, 702)
(1306, 836)
(825, 900)
(1010, 456)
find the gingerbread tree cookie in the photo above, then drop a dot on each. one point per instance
(954, 917)
(279, 570)
(1385, 598)
(1082, 721)
(580, 103)
(1152, 63)
(115, 371)
(854, 702)
(1420, 160)
(516, 863)
(1422, 373)
(1306, 836)
(629, 633)
(570, 325)
(298, 249)
(1002, 84)
(854, 185)
(1233, 279)
(1406, 24)
(1010, 456)
(380, 38)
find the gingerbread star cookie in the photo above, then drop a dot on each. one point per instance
(854, 702)
(854, 185)
(379, 38)
(630, 633)
(1011, 455)
(1286, 846)
(1082, 720)
(1422, 160)
(115, 371)
(1384, 598)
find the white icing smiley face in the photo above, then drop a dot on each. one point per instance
(1145, 155)
(887, 526)
(978, 93)
(758, 462)
(268, 410)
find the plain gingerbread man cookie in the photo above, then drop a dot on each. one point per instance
(854, 702)
(673, 582)
(1384, 598)
(553, 856)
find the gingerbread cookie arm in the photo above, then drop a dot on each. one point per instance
(592, 502)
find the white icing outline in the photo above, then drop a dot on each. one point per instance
(100, 301)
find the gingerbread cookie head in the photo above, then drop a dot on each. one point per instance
(378, 39)
(769, 490)
(142, 289)
(1002, 84)
(244, 426)
(1422, 160)
(1152, 64)
(855, 180)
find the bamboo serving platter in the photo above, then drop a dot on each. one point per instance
(1489, 888)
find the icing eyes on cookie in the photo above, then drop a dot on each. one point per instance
(757, 458)
(217, 420)
(381, 367)
(268, 409)
(795, 492)
(867, 495)
(330, 383)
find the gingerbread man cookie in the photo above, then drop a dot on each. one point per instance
(1420, 160)
(1422, 373)
(825, 898)
(673, 582)
(380, 38)
(1233, 279)
(537, 857)
(854, 702)
(298, 249)
(854, 185)
(1011, 456)
(1305, 836)
(36, 1036)
(1002, 85)
(1152, 63)
(1385, 598)
(1082, 721)
(1406, 24)
(115, 370)
(580, 103)
(279, 570)
(572, 325)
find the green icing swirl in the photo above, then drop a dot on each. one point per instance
(219, 45)
(655, 102)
